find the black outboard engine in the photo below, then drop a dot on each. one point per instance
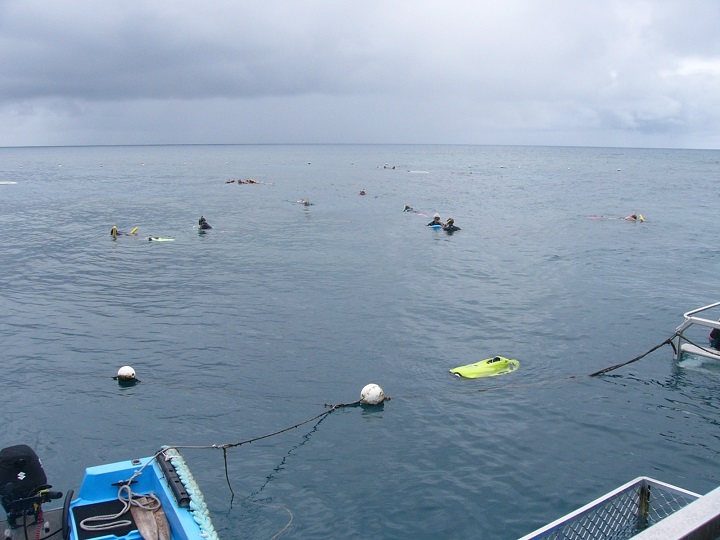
(23, 484)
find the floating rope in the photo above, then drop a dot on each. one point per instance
(226, 446)
(611, 368)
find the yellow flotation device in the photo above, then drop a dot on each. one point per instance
(114, 232)
(490, 367)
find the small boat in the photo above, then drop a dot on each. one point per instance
(153, 497)
(490, 367)
(691, 337)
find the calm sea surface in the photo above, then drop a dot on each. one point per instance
(281, 309)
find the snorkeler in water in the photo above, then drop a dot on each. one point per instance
(450, 226)
(635, 217)
(114, 232)
(435, 221)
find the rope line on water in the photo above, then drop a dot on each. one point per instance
(616, 366)
(226, 446)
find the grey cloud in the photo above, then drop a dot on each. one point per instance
(454, 71)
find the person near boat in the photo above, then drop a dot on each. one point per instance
(715, 338)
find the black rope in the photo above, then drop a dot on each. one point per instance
(656, 347)
(324, 413)
(227, 476)
(224, 447)
(709, 351)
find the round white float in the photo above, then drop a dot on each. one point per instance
(126, 373)
(372, 394)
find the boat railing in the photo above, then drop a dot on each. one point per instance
(691, 318)
(621, 514)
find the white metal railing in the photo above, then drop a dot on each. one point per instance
(620, 514)
(691, 319)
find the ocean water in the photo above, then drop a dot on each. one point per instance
(282, 309)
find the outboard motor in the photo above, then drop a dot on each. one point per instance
(23, 484)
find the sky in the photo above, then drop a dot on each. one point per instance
(625, 73)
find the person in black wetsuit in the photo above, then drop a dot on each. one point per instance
(435, 221)
(450, 226)
(203, 224)
(715, 338)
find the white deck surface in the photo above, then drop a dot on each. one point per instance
(707, 352)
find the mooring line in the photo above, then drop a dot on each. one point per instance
(656, 347)
(226, 446)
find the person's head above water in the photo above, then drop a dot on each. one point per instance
(450, 221)
(436, 217)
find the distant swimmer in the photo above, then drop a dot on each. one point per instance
(408, 208)
(115, 233)
(203, 224)
(450, 226)
(305, 202)
(362, 192)
(635, 217)
(436, 221)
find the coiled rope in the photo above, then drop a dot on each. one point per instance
(111, 521)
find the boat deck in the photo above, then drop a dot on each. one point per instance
(644, 509)
(705, 352)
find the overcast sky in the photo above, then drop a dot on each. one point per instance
(539, 72)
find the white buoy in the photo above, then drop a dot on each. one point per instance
(126, 373)
(372, 394)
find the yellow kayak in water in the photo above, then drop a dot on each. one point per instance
(490, 367)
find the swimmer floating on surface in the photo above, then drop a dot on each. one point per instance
(408, 208)
(638, 218)
(115, 233)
